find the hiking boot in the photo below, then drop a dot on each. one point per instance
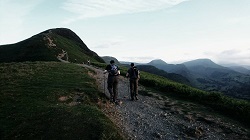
(117, 102)
(136, 98)
(132, 99)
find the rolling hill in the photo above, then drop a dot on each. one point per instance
(50, 45)
(171, 68)
(240, 69)
(108, 58)
(171, 76)
(151, 69)
(213, 77)
(207, 75)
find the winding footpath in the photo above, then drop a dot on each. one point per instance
(155, 116)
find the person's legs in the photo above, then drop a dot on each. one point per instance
(132, 89)
(115, 88)
(136, 88)
(110, 88)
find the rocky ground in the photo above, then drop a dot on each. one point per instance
(155, 116)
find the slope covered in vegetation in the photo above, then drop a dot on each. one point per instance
(49, 46)
(51, 100)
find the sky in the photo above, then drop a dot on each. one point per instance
(139, 30)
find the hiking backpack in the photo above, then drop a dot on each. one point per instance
(114, 70)
(134, 73)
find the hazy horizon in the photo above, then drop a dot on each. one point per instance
(141, 30)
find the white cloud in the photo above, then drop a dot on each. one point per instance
(237, 56)
(97, 8)
(145, 59)
(109, 43)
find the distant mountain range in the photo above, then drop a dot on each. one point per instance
(240, 69)
(207, 75)
(50, 45)
(171, 76)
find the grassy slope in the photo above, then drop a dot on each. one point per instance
(30, 108)
(74, 50)
(36, 49)
(32, 49)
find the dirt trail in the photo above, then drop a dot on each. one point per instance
(158, 117)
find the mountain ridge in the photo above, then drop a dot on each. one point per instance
(206, 75)
(47, 46)
(202, 62)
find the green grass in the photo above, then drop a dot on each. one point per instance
(74, 50)
(30, 106)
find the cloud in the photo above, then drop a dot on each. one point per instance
(230, 52)
(237, 56)
(109, 43)
(144, 59)
(98, 8)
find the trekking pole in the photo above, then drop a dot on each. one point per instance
(104, 84)
(128, 86)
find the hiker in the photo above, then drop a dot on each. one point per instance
(134, 75)
(113, 76)
(88, 62)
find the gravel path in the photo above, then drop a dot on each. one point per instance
(155, 116)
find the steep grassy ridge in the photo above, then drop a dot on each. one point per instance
(50, 100)
(46, 46)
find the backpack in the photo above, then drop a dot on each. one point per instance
(134, 73)
(114, 70)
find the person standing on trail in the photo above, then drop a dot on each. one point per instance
(134, 75)
(113, 76)
(88, 62)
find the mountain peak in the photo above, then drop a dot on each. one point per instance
(69, 34)
(108, 58)
(202, 62)
(158, 62)
(49, 45)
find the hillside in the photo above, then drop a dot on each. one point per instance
(202, 62)
(210, 76)
(108, 58)
(171, 68)
(171, 76)
(151, 69)
(49, 46)
(207, 75)
(51, 100)
(240, 69)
